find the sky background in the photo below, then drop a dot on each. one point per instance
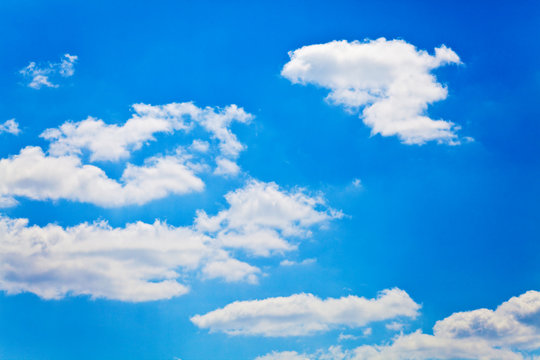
(456, 227)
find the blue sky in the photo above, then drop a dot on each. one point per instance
(320, 192)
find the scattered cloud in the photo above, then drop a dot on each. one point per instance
(138, 262)
(200, 146)
(35, 175)
(515, 323)
(305, 314)
(395, 326)
(226, 167)
(388, 82)
(357, 183)
(43, 75)
(510, 332)
(343, 337)
(261, 217)
(10, 126)
(295, 263)
(113, 142)
(283, 355)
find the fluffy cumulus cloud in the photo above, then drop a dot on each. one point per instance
(113, 142)
(10, 126)
(38, 76)
(389, 82)
(510, 332)
(37, 176)
(305, 314)
(261, 216)
(138, 262)
(515, 323)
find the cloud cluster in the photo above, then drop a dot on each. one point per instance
(261, 216)
(35, 175)
(40, 75)
(112, 142)
(61, 173)
(138, 262)
(390, 81)
(10, 126)
(506, 333)
(306, 314)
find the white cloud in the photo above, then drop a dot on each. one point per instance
(260, 216)
(423, 347)
(357, 183)
(283, 355)
(295, 263)
(515, 323)
(226, 167)
(510, 332)
(395, 326)
(218, 123)
(200, 146)
(114, 142)
(34, 175)
(10, 126)
(305, 314)
(40, 75)
(415, 346)
(390, 80)
(343, 337)
(138, 262)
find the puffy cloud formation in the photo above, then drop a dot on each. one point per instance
(34, 175)
(415, 346)
(305, 314)
(138, 262)
(506, 333)
(260, 216)
(40, 75)
(515, 323)
(390, 80)
(10, 126)
(112, 142)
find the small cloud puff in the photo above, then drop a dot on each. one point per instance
(10, 126)
(44, 75)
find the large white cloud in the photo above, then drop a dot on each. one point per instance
(306, 314)
(114, 142)
(510, 332)
(37, 176)
(138, 262)
(390, 80)
(44, 74)
(515, 323)
(261, 215)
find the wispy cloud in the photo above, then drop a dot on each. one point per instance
(45, 75)
(112, 142)
(10, 126)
